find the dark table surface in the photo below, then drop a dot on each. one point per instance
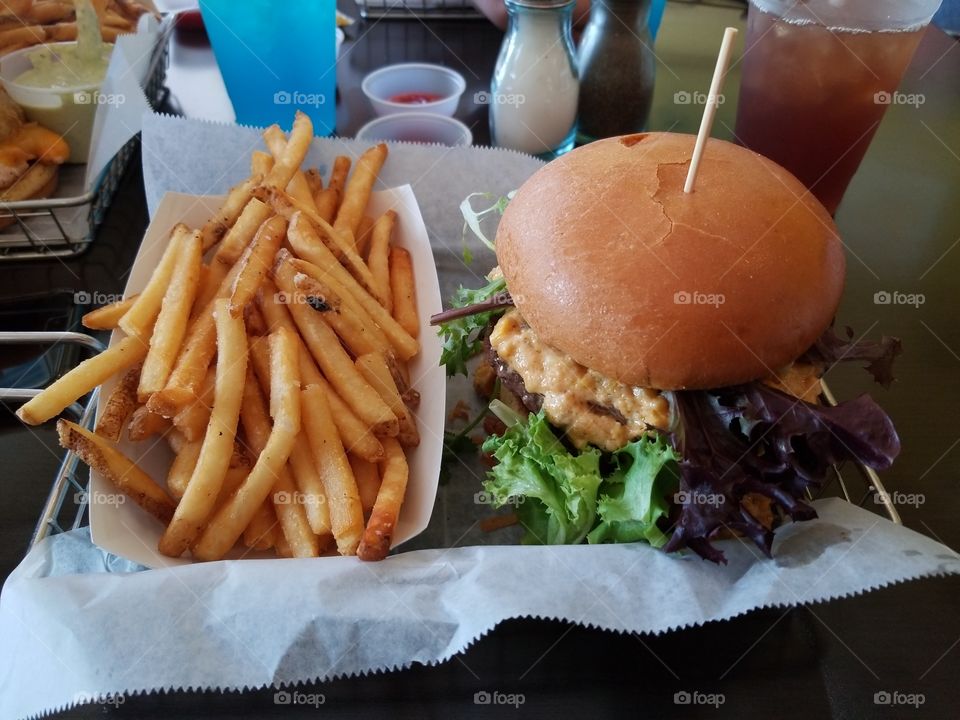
(901, 223)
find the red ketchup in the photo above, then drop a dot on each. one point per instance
(415, 98)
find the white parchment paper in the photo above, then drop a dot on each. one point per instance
(245, 623)
(77, 624)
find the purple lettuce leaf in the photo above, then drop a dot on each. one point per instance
(830, 349)
(756, 439)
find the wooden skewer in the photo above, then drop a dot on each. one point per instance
(710, 110)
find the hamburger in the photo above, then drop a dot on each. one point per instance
(658, 355)
(30, 157)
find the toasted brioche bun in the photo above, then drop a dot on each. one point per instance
(39, 181)
(611, 262)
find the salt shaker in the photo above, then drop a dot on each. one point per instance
(616, 70)
(533, 97)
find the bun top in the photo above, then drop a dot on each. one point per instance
(612, 263)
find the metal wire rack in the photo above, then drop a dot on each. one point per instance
(424, 9)
(57, 515)
(64, 227)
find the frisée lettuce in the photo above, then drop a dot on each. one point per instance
(564, 497)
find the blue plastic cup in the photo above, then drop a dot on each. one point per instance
(276, 58)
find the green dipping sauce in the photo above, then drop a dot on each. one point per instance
(66, 66)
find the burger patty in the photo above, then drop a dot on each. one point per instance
(589, 407)
(510, 380)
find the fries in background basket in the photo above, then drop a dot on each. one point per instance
(271, 357)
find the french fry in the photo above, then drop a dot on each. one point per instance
(108, 316)
(290, 506)
(358, 338)
(256, 262)
(299, 189)
(343, 499)
(356, 196)
(310, 485)
(368, 482)
(282, 547)
(293, 154)
(231, 481)
(357, 437)
(216, 227)
(323, 344)
(253, 319)
(328, 306)
(240, 285)
(116, 467)
(122, 401)
(260, 163)
(298, 186)
(192, 420)
(302, 236)
(171, 324)
(314, 181)
(326, 202)
(403, 291)
(375, 371)
(44, 13)
(139, 318)
(228, 523)
(184, 463)
(339, 173)
(144, 424)
(383, 520)
(261, 533)
(379, 257)
(201, 492)
(24, 35)
(339, 243)
(362, 240)
(254, 214)
(82, 379)
(376, 336)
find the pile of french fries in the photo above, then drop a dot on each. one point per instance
(24, 23)
(276, 369)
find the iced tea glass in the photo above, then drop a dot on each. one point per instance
(817, 77)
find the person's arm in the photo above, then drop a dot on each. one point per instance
(496, 11)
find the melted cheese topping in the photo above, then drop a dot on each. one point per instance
(574, 397)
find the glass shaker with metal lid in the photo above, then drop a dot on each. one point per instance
(616, 70)
(533, 97)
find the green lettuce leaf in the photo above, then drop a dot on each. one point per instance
(555, 491)
(563, 497)
(634, 496)
(462, 337)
